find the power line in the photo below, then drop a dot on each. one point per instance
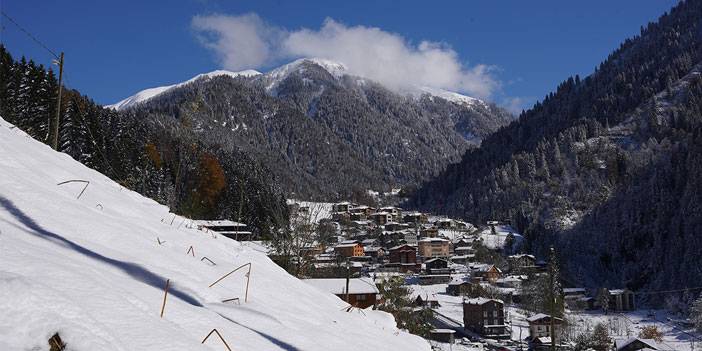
(30, 35)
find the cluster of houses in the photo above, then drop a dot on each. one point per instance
(433, 250)
(388, 239)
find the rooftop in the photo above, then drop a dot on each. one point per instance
(429, 240)
(479, 301)
(217, 223)
(347, 245)
(541, 316)
(337, 286)
(621, 343)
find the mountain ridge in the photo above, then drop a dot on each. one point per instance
(275, 75)
(307, 121)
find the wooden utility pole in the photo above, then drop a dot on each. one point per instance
(348, 278)
(552, 297)
(55, 129)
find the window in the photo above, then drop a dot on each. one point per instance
(485, 313)
(360, 297)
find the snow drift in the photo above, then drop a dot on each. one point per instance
(91, 268)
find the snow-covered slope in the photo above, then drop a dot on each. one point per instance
(92, 269)
(147, 94)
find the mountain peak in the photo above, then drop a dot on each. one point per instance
(277, 75)
(150, 93)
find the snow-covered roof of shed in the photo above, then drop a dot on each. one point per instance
(218, 223)
(621, 343)
(337, 286)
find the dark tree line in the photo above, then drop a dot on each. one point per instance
(603, 166)
(160, 157)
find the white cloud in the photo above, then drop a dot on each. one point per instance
(516, 105)
(246, 41)
(240, 42)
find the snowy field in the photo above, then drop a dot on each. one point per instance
(94, 269)
(497, 240)
(622, 326)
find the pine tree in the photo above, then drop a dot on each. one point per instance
(600, 340)
(696, 313)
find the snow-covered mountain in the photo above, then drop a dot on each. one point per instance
(90, 260)
(150, 93)
(323, 132)
(275, 76)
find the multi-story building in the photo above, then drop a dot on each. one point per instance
(485, 317)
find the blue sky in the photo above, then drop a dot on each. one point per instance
(520, 49)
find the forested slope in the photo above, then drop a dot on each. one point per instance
(603, 167)
(327, 134)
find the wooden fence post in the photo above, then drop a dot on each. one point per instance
(165, 294)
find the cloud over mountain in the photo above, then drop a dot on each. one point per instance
(247, 41)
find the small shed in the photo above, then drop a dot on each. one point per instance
(230, 229)
(362, 292)
(442, 335)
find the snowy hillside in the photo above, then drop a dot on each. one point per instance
(147, 94)
(89, 265)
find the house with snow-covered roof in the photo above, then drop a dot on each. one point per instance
(459, 287)
(415, 218)
(540, 326)
(396, 212)
(437, 266)
(342, 206)
(380, 218)
(488, 272)
(520, 262)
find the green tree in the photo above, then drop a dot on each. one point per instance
(600, 340)
(397, 301)
(651, 332)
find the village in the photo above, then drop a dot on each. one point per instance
(481, 291)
